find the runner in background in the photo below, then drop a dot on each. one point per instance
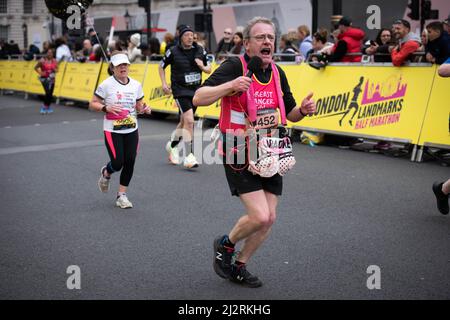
(187, 60)
(46, 68)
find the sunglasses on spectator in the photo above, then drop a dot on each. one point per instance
(226, 32)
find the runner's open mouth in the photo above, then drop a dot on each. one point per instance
(266, 51)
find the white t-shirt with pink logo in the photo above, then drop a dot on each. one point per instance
(114, 92)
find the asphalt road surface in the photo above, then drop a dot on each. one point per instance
(341, 212)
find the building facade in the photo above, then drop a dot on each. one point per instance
(24, 21)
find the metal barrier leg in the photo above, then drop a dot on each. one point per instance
(420, 154)
(414, 153)
(200, 123)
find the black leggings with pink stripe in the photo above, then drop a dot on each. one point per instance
(122, 150)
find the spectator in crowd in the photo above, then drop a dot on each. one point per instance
(319, 45)
(238, 41)
(167, 42)
(121, 45)
(225, 44)
(348, 46)
(293, 34)
(445, 24)
(97, 54)
(94, 37)
(13, 48)
(380, 46)
(133, 47)
(62, 50)
(305, 40)
(151, 52)
(287, 47)
(200, 39)
(438, 46)
(32, 51)
(408, 43)
(85, 52)
(423, 43)
(3, 49)
(45, 46)
(155, 47)
(424, 39)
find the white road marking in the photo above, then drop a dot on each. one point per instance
(69, 145)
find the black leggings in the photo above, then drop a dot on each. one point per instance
(48, 85)
(122, 150)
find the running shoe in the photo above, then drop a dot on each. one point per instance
(239, 274)
(123, 202)
(49, 110)
(441, 198)
(43, 110)
(174, 158)
(223, 256)
(190, 161)
(103, 182)
(168, 146)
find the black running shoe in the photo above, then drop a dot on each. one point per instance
(442, 199)
(240, 274)
(223, 256)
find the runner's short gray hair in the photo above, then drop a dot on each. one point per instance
(254, 21)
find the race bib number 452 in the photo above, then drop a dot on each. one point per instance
(266, 118)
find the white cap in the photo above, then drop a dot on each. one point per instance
(118, 59)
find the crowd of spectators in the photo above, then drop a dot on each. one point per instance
(346, 43)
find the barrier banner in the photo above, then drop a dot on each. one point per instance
(13, 74)
(381, 102)
(4, 67)
(80, 80)
(22, 74)
(436, 127)
(212, 111)
(59, 78)
(34, 85)
(153, 92)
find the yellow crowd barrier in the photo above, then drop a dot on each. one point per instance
(153, 92)
(408, 104)
(436, 127)
(15, 75)
(376, 102)
(80, 80)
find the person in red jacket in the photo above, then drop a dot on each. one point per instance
(349, 42)
(408, 42)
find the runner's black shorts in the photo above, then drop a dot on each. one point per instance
(240, 180)
(243, 181)
(185, 104)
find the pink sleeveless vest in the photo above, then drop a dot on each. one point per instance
(237, 109)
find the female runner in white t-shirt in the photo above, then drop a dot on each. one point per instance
(121, 99)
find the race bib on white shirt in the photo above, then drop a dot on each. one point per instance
(125, 95)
